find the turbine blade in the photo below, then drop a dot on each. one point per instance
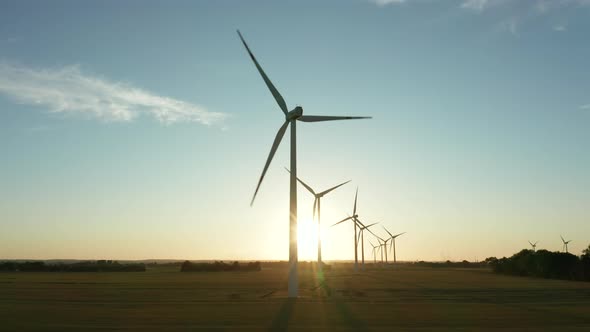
(387, 231)
(359, 223)
(531, 244)
(373, 233)
(327, 191)
(562, 238)
(315, 201)
(355, 196)
(399, 234)
(303, 183)
(306, 186)
(341, 221)
(358, 238)
(269, 84)
(275, 145)
(373, 224)
(318, 118)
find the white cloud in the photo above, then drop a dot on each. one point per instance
(477, 5)
(387, 2)
(68, 90)
(540, 6)
(559, 28)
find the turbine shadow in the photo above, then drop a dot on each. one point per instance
(281, 320)
(345, 314)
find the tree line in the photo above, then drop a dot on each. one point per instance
(219, 266)
(544, 264)
(89, 266)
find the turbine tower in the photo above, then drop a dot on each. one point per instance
(291, 118)
(317, 206)
(534, 245)
(565, 243)
(392, 244)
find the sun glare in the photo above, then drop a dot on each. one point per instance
(307, 235)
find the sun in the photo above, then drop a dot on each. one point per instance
(307, 239)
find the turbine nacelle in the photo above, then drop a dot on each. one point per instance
(294, 114)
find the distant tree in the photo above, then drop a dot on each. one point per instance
(586, 253)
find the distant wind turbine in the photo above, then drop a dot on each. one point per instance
(354, 221)
(375, 248)
(392, 245)
(565, 243)
(534, 245)
(383, 245)
(362, 228)
(291, 117)
(317, 207)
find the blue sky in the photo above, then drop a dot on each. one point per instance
(138, 129)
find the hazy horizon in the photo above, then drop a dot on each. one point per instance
(139, 129)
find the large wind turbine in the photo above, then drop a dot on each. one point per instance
(317, 205)
(392, 244)
(534, 245)
(355, 222)
(565, 243)
(291, 118)
(362, 228)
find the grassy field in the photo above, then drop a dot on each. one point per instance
(400, 298)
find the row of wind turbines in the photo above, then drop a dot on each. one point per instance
(359, 234)
(359, 229)
(291, 118)
(563, 248)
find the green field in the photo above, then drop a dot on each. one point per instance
(401, 298)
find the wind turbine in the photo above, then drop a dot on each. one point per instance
(565, 243)
(317, 205)
(392, 245)
(534, 245)
(362, 228)
(355, 222)
(380, 247)
(291, 118)
(375, 248)
(383, 245)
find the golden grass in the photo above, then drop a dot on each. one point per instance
(403, 297)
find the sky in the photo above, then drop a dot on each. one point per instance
(139, 129)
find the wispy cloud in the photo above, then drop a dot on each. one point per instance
(510, 25)
(540, 6)
(387, 2)
(585, 107)
(68, 90)
(521, 12)
(477, 5)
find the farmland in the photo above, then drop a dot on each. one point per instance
(379, 299)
